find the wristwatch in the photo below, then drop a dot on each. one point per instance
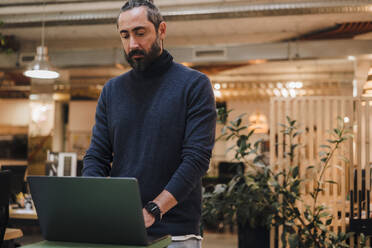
(154, 210)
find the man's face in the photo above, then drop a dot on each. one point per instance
(140, 40)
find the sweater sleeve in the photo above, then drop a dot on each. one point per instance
(198, 139)
(99, 155)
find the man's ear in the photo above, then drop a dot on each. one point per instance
(162, 30)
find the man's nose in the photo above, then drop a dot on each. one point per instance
(133, 44)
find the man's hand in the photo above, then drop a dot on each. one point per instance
(165, 201)
(148, 218)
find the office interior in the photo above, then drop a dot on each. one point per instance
(310, 60)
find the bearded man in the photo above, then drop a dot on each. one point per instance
(155, 123)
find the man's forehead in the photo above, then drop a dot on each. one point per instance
(133, 18)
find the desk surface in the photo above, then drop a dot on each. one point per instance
(50, 244)
(22, 214)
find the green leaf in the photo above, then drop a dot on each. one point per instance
(331, 182)
(324, 214)
(325, 146)
(250, 133)
(242, 128)
(257, 143)
(297, 133)
(329, 221)
(337, 131)
(331, 141)
(319, 190)
(295, 171)
(230, 136)
(231, 128)
(258, 158)
(293, 146)
(238, 122)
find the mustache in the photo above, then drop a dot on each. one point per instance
(136, 52)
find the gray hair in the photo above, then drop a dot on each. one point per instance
(153, 13)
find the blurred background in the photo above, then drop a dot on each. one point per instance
(264, 58)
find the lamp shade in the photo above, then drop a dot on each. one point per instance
(40, 67)
(258, 122)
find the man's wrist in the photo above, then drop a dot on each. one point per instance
(153, 209)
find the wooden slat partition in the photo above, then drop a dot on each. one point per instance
(367, 166)
(362, 169)
(316, 116)
(273, 131)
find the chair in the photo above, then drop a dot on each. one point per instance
(4, 202)
(361, 221)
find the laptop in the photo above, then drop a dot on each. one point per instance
(90, 210)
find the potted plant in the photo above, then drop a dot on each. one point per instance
(263, 197)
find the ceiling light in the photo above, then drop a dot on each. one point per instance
(40, 67)
(294, 85)
(284, 92)
(292, 92)
(217, 93)
(299, 85)
(277, 92)
(258, 123)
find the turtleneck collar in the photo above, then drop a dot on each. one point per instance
(160, 65)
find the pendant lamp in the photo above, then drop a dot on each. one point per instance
(40, 67)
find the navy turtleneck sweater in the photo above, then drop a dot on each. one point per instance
(157, 126)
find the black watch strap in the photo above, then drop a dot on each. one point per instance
(154, 210)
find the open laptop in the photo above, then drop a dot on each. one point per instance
(90, 210)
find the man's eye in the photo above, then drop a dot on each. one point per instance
(125, 36)
(140, 34)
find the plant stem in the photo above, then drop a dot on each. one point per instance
(325, 167)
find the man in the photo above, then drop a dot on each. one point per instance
(155, 123)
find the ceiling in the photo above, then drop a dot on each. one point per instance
(81, 36)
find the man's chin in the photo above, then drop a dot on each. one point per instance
(138, 66)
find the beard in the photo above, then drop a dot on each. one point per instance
(141, 64)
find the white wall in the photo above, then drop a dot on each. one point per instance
(14, 112)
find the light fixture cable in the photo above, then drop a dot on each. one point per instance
(41, 68)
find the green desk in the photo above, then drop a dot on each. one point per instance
(50, 244)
